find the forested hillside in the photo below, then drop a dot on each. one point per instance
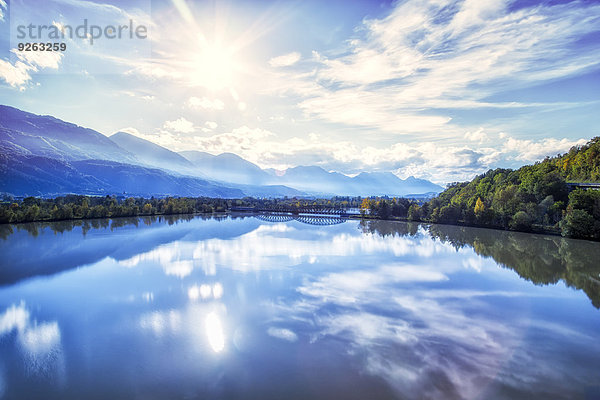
(580, 163)
(534, 197)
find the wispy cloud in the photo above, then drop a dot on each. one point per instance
(2, 9)
(285, 60)
(403, 73)
(206, 103)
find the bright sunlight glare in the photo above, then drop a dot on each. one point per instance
(214, 332)
(214, 67)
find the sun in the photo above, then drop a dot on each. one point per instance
(214, 67)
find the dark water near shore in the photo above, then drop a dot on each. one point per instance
(194, 308)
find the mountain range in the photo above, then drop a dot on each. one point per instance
(44, 156)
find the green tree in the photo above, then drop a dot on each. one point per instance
(521, 221)
(579, 224)
(414, 212)
(383, 209)
(587, 200)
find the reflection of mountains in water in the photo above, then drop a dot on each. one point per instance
(541, 259)
(48, 255)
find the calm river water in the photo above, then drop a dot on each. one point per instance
(244, 307)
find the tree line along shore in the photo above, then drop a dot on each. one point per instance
(532, 198)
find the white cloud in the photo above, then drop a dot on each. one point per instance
(205, 103)
(242, 140)
(179, 125)
(477, 136)
(17, 74)
(211, 125)
(285, 60)
(529, 150)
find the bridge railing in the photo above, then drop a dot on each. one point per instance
(299, 210)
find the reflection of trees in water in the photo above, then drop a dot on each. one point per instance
(6, 230)
(541, 259)
(386, 228)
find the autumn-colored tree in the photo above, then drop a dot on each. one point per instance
(147, 209)
(364, 206)
(479, 208)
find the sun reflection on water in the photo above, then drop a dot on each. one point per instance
(214, 332)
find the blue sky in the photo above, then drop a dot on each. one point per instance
(436, 89)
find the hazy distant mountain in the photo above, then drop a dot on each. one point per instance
(421, 186)
(274, 172)
(386, 183)
(150, 153)
(41, 135)
(317, 180)
(42, 155)
(227, 167)
(135, 179)
(41, 176)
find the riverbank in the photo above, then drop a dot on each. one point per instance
(76, 207)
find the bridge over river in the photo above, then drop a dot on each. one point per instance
(315, 215)
(313, 210)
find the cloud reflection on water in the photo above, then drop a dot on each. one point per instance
(423, 347)
(265, 248)
(39, 343)
(410, 312)
(417, 335)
